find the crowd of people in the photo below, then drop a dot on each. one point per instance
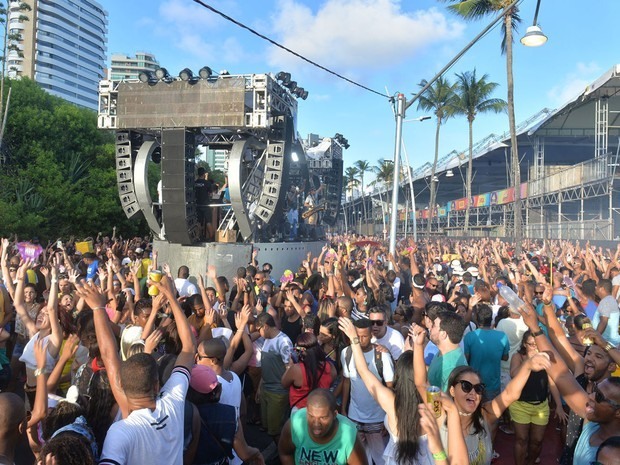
(358, 356)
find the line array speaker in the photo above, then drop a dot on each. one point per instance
(124, 174)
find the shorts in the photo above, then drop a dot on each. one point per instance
(274, 411)
(204, 214)
(525, 413)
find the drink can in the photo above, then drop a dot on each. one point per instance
(433, 398)
(155, 276)
(587, 341)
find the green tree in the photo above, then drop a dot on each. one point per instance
(440, 99)
(9, 46)
(363, 167)
(474, 97)
(59, 179)
(350, 175)
(476, 9)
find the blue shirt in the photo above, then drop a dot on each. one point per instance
(442, 365)
(91, 272)
(485, 349)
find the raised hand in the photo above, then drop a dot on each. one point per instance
(151, 342)
(417, 333)
(73, 275)
(69, 348)
(346, 326)
(93, 296)
(211, 273)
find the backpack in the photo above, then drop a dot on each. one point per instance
(378, 361)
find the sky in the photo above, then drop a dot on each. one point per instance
(386, 45)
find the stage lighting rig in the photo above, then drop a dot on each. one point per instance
(205, 72)
(283, 77)
(147, 77)
(163, 75)
(341, 140)
(188, 76)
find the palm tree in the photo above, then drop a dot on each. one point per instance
(384, 176)
(351, 180)
(438, 98)
(476, 9)
(363, 167)
(474, 98)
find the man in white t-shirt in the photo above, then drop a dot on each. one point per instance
(183, 285)
(383, 335)
(607, 315)
(151, 432)
(357, 403)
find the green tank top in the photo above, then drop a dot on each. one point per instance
(335, 452)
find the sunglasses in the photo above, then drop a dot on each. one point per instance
(12, 269)
(600, 398)
(539, 293)
(377, 322)
(466, 386)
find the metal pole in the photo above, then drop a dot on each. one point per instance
(400, 116)
(412, 193)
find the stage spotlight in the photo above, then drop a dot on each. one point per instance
(162, 74)
(283, 77)
(186, 75)
(304, 95)
(292, 85)
(224, 72)
(205, 72)
(345, 143)
(147, 77)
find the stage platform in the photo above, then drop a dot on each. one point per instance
(227, 257)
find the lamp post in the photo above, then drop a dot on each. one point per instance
(534, 36)
(401, 108)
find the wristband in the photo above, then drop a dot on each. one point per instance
(99, 308)
(546, 304)
(440, 455)
(538, 333)
(609, 346)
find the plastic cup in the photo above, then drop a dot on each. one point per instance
(155, 276)
(433, 397)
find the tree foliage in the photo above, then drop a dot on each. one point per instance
(59, 176)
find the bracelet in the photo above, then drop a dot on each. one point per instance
(609, 346)
(99, 308)
(546, 304)
(538, 333)
(440, 455)
(54, 281)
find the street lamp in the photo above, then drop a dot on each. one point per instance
(534, 36)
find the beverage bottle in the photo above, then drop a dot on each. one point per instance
(509, 295)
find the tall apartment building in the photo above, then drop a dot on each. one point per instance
(124, 67)
(217, 159)
(64, 44)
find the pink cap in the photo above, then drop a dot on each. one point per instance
(203, 379)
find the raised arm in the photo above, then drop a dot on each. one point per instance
(188, 346)
(18, 302)
(573, 393)
(55, 340)
(383, 395)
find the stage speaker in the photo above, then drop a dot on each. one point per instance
(124, 174)
(178, 198)
(333, 191)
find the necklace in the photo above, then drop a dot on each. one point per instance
(463, 414)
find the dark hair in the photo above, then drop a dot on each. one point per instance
(484, 315)
(477, 419)
(503, 312)
(63, 414)
(139, 375)
(312, 322)
(522, 349)
(201, 171)
(432, 309)
(606, 285)
(406, 400)
(183, 272)
(85, 323)
(69, 449)
(453, 324)
(588, 288)
(580, 320)
(265, 319)
(362, 323)
(323, 397)
(141, 305)
(312, 357)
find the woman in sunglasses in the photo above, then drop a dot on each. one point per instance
(530, 413)
(478, 417)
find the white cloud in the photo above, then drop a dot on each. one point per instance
(574, 82)
(356, 34)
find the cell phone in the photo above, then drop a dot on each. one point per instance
(568, 282)
(59, 244)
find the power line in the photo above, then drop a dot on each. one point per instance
(273, 42)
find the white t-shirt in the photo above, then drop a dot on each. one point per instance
(151, 437)
(393, 341)
(514, 328)
(616, 282)
(185, 288)
(362, 407)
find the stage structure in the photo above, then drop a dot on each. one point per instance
(252, 117)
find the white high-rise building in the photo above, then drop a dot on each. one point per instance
(123, 67)
(64, 44)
